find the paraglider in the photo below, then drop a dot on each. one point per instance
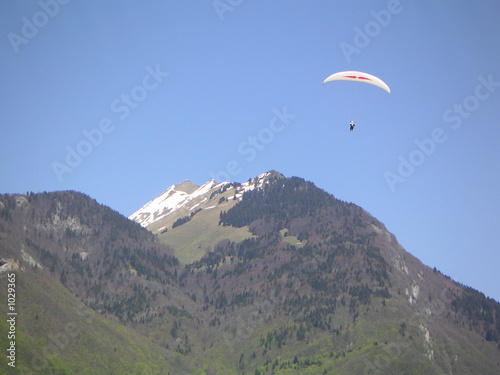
(355, 76)
(358, 77)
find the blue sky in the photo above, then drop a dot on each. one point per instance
(121, 99)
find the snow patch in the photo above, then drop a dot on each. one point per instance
(173, 199)
(187, 196)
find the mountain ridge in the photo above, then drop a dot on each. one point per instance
(282, 278)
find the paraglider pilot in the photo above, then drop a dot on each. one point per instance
(352, 124)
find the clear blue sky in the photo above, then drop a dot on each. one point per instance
(121, 99)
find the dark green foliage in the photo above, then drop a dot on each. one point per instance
(180, 221)
(278, 204)
(69, 233)
(221, 301)
(301, 335)
(243, 298)
(402, 329)
(175, 329)
(47, 258)
(483, 312)
(185, 219)
(5, 213)
(362, 293)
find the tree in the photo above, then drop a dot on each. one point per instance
(301, 333)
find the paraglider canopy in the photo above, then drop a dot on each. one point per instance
(356, 76)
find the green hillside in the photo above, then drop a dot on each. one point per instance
(193, 239)
(57, 334)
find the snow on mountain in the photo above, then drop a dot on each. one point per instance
(182, 199)
(178, 196)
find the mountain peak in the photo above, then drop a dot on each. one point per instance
(186, 186)
(175, 197)
(186, 197)
(269, 176)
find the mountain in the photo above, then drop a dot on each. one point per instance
(186, 198)
(200, 206)
(272, 276)
(80, 272)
